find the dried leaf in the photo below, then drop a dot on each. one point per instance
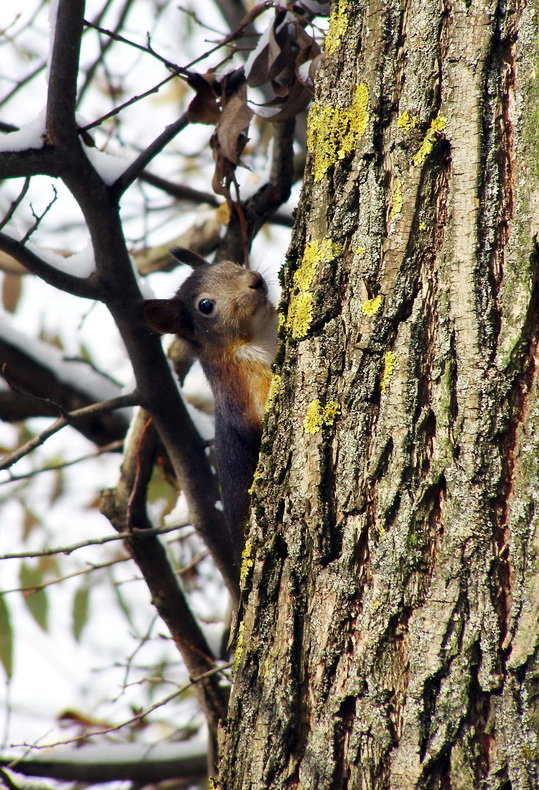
(6, 638)
(37, 601)
(204, 108)
(11, 291)
(233, 125)
(223, 213)
(224, 170)
(81, 609)
(282, 109)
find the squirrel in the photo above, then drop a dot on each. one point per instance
(223, 312)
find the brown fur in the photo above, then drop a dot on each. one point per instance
(236, 345)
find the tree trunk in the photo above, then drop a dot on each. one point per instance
(389, 636)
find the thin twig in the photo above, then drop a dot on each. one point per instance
(15, 203)
(127, 103)
(22, 82)
(102, 565)
(133, 533)
(87, 287)
(133, 720)
(112, 447)
(103, 48)
(122, 401)
(115, 36)
(39, 217)
(136, 167)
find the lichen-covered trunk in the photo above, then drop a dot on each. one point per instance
(389, 632)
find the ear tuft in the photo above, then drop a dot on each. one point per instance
(168, 316)
(192, 259)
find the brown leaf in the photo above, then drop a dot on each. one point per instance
(224, 170)
(204, 108)
(233, 125)
(283, 109)
(11, 291)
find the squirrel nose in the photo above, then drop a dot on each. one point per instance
(257, 281)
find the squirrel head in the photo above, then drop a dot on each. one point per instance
(218, 306)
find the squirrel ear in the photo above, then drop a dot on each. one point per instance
(168, 316)
(192, 259)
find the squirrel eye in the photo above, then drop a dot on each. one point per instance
(206, 306)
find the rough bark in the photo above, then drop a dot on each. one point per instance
(389, 636)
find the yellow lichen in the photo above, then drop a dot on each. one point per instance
(247, 563)
(361, 250)
(331, 412)
(371, 306)
(240, 640)
(256, 477)
(437, 125)
(396, 199)
(405, 121)
(333, 132)
(273, 391)
(422, 225)
(390, 361)
(317, 415)
(300, 312)
(338, 22)
(313, 417)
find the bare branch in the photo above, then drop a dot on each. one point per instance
(109, 448)
(136, 167)
(87, 288)
(125, 507)
(179, 191)
(97, 408)
(128, 103)
(140, 764)
(144, 534)
(90, 71)
(15, 203)
(38, 218)
(63, 73)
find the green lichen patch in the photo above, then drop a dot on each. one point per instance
(333, 132)
(437, 125)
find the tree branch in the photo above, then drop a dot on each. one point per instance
(71, 417)
(257, 209)
(136, 167)
(55, 384)
(138, 763)
(125, 506)
(87, 288)
(63, 72)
